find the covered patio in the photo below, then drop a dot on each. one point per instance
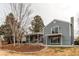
(55, 39)
(34, 38)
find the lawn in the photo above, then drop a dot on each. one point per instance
(52, 51)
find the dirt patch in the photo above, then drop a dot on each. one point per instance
(22, 47)
(72, 51)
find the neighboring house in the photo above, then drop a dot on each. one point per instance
(55, 33)
(59, 33)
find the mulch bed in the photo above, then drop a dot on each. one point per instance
(22, 47)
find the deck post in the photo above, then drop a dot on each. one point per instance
(61, 40)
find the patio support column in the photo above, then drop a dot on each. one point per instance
(29, 39)
(37, 38)
(61, 40)
(46, 41)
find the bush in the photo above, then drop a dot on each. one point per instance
(8, 39)
(76, 42)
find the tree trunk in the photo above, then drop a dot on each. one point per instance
(0, 43)
(19, 42)
(14, 39)
(10, 40)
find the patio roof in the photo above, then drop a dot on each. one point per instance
(54, 35)
(35, 34)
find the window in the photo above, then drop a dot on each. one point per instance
(55, 40)
(54, 22)
(55, 30)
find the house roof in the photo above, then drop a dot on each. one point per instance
(35, 33)
(59, 21)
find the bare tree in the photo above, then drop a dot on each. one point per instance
(22, 13)
(12, 23)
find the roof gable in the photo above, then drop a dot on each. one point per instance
(55, 20)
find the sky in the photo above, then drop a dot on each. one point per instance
(49, 11)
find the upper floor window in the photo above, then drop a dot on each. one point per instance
(55, 29)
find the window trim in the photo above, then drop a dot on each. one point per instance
(56, 42)
(55, 27)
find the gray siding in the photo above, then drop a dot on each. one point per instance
(64, 28)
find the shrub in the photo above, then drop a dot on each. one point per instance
(76, 42)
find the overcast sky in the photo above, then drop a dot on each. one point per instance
(48, 12)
